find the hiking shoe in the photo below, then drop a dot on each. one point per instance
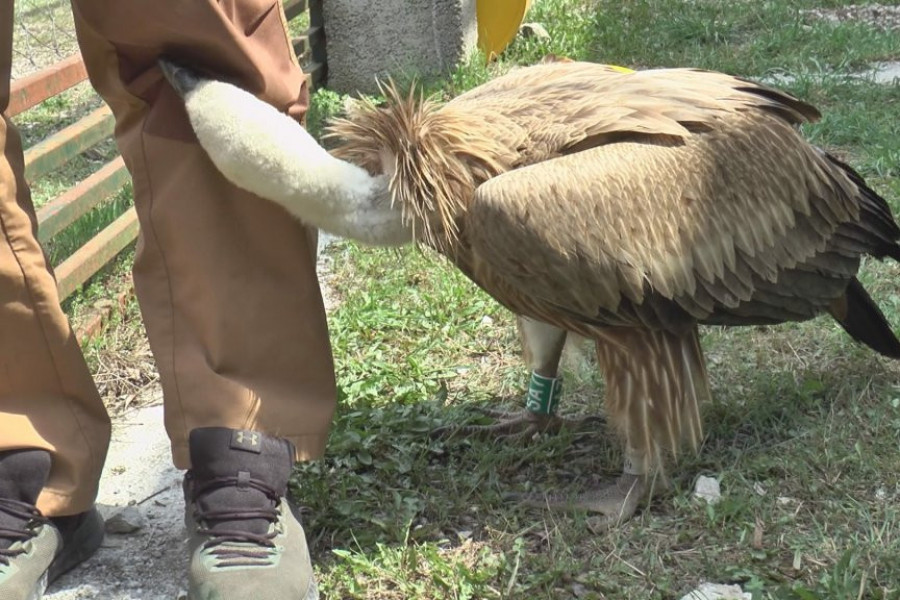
(35, 550)
(245, 540)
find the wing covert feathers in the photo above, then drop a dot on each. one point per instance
(702, 224)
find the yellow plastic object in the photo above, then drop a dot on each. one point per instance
(498, 23)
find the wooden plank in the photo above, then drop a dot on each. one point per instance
(317, 34)
(294, 8)
(96, 253)
(301, 47)
(64, 145)
(316, 14)
(315, 74)
(37, 87)
(93, 325)
(312, 37)
(65, 209)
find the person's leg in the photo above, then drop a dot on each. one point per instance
(47, 397)
(226, 281)
(227, 286)
(54, 429)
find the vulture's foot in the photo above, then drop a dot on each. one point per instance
(617, 502)
(518, 425)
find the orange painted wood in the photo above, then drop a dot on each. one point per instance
(62, 146)
(37, 87)
(96, 253)
(93, 325)
(68, 207)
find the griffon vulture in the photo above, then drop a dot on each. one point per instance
(626, 207)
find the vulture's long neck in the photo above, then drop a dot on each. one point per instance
(265, 152)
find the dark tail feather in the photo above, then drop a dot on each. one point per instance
(893, 251)
(863, 320)
(876, 218)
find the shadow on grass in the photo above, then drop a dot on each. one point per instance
(386, 479)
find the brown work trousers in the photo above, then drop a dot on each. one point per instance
(226, 281)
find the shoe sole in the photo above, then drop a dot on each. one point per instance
(40, 587)
(312, 593)
(84, 543)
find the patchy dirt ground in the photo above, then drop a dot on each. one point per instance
(879, 16)
(149, 562)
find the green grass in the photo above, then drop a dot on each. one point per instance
(803, 434)
(802, 414)
(750, 38)
(43, 33)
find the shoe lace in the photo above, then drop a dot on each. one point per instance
(236, 547)
(21, 512)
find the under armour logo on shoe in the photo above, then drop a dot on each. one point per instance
(249, 441)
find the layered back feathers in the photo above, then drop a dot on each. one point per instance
(437, 155)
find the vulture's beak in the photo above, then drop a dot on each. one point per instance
(181, 78)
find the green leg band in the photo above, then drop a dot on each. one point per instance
(543, 394)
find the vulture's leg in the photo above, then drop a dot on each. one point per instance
(543, 347)
(655, 383)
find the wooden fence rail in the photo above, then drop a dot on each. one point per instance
(59, 148)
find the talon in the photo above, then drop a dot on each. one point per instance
(516, 426)
(617, 502)
(495, 413)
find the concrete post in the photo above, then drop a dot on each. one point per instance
(366, 39)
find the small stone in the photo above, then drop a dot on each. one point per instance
(707, 488)
(82, 592)
(111, 542)
(487, 320)
(535, 30)
(718, 591)
(127, 520)
(757, 542)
